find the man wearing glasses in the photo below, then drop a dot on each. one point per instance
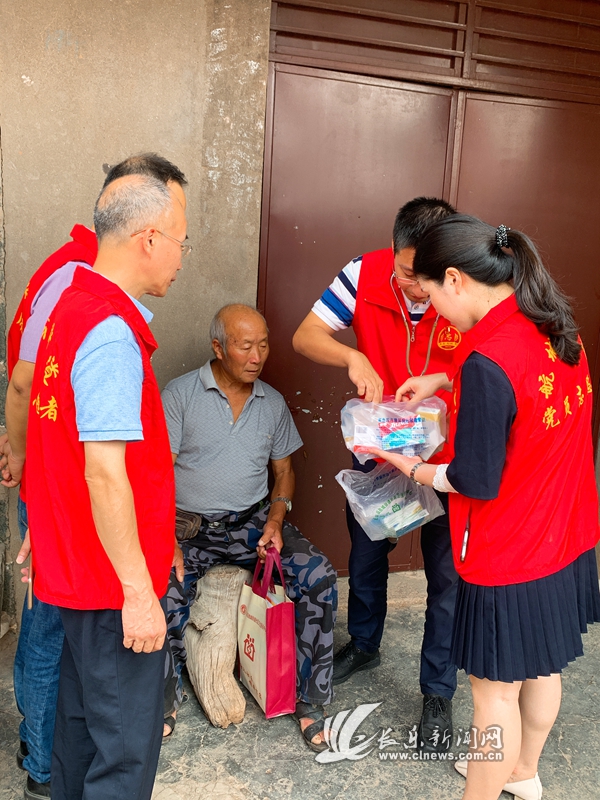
(41, 633)
(399, 335)
(102, 513)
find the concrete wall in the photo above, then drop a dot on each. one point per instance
(86, 83)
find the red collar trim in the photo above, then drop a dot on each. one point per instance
(85, 237)
(384, 296)
(482, 331)
(95, 284)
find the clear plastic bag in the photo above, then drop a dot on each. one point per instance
(386, 503)
(413, 429)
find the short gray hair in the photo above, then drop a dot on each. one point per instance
(130, 204)
(217, 326)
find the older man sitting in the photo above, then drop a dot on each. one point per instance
(225, 426)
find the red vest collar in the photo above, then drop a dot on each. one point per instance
(95, 284)
(482, 331)
(383, 295)
(84, 236)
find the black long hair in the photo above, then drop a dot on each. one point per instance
(472, 246)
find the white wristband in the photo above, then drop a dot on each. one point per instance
(440, 481)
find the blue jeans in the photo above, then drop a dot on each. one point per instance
(36, 671)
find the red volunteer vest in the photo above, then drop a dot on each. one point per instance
(84, 247)
(546, 512)
(71, 567)
(380, 324)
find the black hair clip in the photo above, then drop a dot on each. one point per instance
(502, 236)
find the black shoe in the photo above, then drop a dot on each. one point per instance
(35, 790)
(435, 727)
(22, 754)
(350, 660)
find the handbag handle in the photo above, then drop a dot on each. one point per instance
(259, 587)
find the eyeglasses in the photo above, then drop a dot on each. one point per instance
(402, 280)
(186, 249)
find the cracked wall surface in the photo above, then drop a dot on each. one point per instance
(86, 84)
(7, 594)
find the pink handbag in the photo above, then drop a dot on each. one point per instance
(267, 640)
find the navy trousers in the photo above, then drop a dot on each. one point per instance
(367, 601)
(109, 717)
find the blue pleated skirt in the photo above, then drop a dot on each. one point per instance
(526, 630)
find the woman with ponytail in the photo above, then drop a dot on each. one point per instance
(523, 500)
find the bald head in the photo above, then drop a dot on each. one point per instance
(129, 204)
(232, 316)
(240, 339)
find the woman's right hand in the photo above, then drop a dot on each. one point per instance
(421, 387)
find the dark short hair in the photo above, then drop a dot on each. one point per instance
(150, 164)
(415, 217)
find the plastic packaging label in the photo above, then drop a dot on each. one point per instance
(413, 429)
(386, 503)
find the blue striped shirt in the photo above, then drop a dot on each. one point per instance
(337, 304)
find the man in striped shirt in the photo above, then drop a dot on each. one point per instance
(337, 304)
(399, 334)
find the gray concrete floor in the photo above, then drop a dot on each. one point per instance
(267, 760)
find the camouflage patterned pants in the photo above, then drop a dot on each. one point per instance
(311, 583)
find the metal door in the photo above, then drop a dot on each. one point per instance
(534, 165)
(343, 152)
(346, 152)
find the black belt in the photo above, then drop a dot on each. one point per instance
(189, 524)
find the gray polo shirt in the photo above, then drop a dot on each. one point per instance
(221, 466)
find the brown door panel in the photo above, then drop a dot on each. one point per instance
(534, 165)
(346, 153)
